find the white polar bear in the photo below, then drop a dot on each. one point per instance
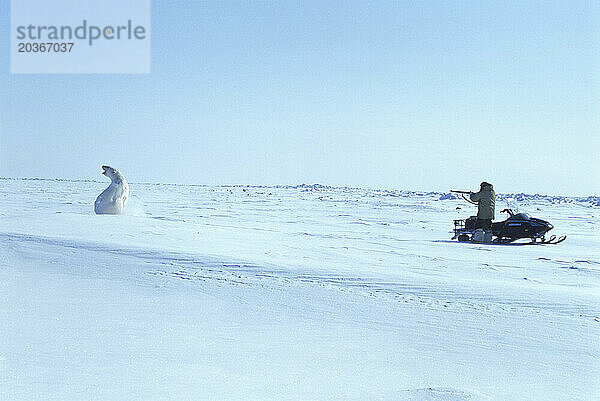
(114, 198)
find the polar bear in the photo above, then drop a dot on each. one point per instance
(114, 198)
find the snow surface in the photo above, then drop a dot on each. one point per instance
(305, 292)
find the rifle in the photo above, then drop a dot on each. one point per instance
(463, 193)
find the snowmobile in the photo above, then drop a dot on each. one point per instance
(516, 226)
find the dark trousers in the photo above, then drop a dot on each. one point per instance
(486, 224)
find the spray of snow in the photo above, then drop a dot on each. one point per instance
(134, 207)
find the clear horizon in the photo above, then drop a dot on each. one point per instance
(416, 96)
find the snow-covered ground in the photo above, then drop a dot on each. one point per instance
(279, 293)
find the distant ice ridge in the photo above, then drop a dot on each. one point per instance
(590, 201)
(521, 197)
(440, 394)
(501, 197)
(537, 198)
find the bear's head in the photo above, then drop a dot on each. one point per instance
(111, 172)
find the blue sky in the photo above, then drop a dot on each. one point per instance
(410, 95)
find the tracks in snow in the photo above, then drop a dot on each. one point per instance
(195, 270)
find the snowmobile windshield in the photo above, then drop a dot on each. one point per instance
(522, 216)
